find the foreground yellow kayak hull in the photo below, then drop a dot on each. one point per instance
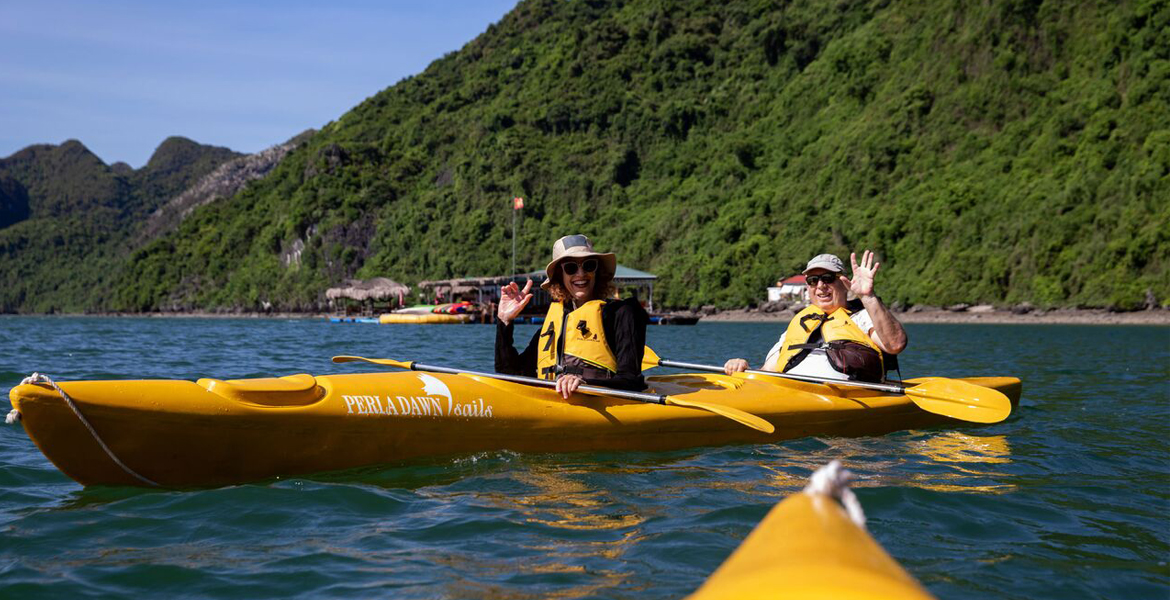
(806, 548)
(212, 432)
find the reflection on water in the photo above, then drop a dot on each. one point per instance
(959, 447)
(503, 576)
(560, 500)
(967, 457)
(944, 461)
(582, 524)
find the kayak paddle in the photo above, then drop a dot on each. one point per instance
(948, 397)
(724, 411)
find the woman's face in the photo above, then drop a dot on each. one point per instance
(579, 276)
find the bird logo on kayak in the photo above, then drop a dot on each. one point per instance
(433, 387)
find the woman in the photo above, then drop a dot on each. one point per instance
(586, 336)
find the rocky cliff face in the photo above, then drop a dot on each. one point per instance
(227, 179)
(176, 165)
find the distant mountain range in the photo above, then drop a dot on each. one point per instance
(68, 221)
(998, 152)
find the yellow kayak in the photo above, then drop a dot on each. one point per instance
(424, 319)
(213, 432)
(807, 548)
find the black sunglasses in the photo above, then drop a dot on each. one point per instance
(825, 278)
(588, 265)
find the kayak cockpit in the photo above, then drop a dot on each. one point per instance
(293, 390)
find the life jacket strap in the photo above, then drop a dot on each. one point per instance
(813, 317)
(562, 370)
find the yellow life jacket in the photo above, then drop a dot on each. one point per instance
(575, 343)
(834, 327)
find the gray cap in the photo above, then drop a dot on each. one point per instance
(827, 262)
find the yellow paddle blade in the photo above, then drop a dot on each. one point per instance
(960, 400)
(377, 361)
(734, 414)
(649, 359)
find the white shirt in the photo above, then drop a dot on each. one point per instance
(816, 364)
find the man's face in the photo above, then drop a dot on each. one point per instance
(826, 296)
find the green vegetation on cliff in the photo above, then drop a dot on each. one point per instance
(66, 217)
(1006, 151)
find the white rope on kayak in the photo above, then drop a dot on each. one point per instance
(39, 378)
(13, 416)
(833, 480)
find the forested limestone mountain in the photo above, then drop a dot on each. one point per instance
(65, 218)
(77, 220)
(1001, 151)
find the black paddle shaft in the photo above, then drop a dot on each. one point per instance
(885, 387)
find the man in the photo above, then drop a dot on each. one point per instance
(834, 338)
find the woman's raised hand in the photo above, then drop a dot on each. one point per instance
(512, 301)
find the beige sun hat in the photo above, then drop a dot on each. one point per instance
(579, 246)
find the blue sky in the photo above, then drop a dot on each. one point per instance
(121, 76)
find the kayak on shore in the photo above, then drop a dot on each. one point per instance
(215, 432)
(811, 547)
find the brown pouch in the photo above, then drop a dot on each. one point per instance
(857, 361)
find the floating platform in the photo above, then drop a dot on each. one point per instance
(425, 319)
(673, 320)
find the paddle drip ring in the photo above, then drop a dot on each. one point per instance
(39, 378)
(833, 480)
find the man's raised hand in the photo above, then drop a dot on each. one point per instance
(861, 283)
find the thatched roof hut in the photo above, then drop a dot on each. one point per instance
(378, 289)
(489, 287)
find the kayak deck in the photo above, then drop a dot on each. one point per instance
(214, 432)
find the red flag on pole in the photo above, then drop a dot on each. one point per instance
(517, 203)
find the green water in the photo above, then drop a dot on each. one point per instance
(1066, 499)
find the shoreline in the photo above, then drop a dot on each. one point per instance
(979, 314)
(918, 314)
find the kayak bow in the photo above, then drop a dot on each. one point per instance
(808, 548)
